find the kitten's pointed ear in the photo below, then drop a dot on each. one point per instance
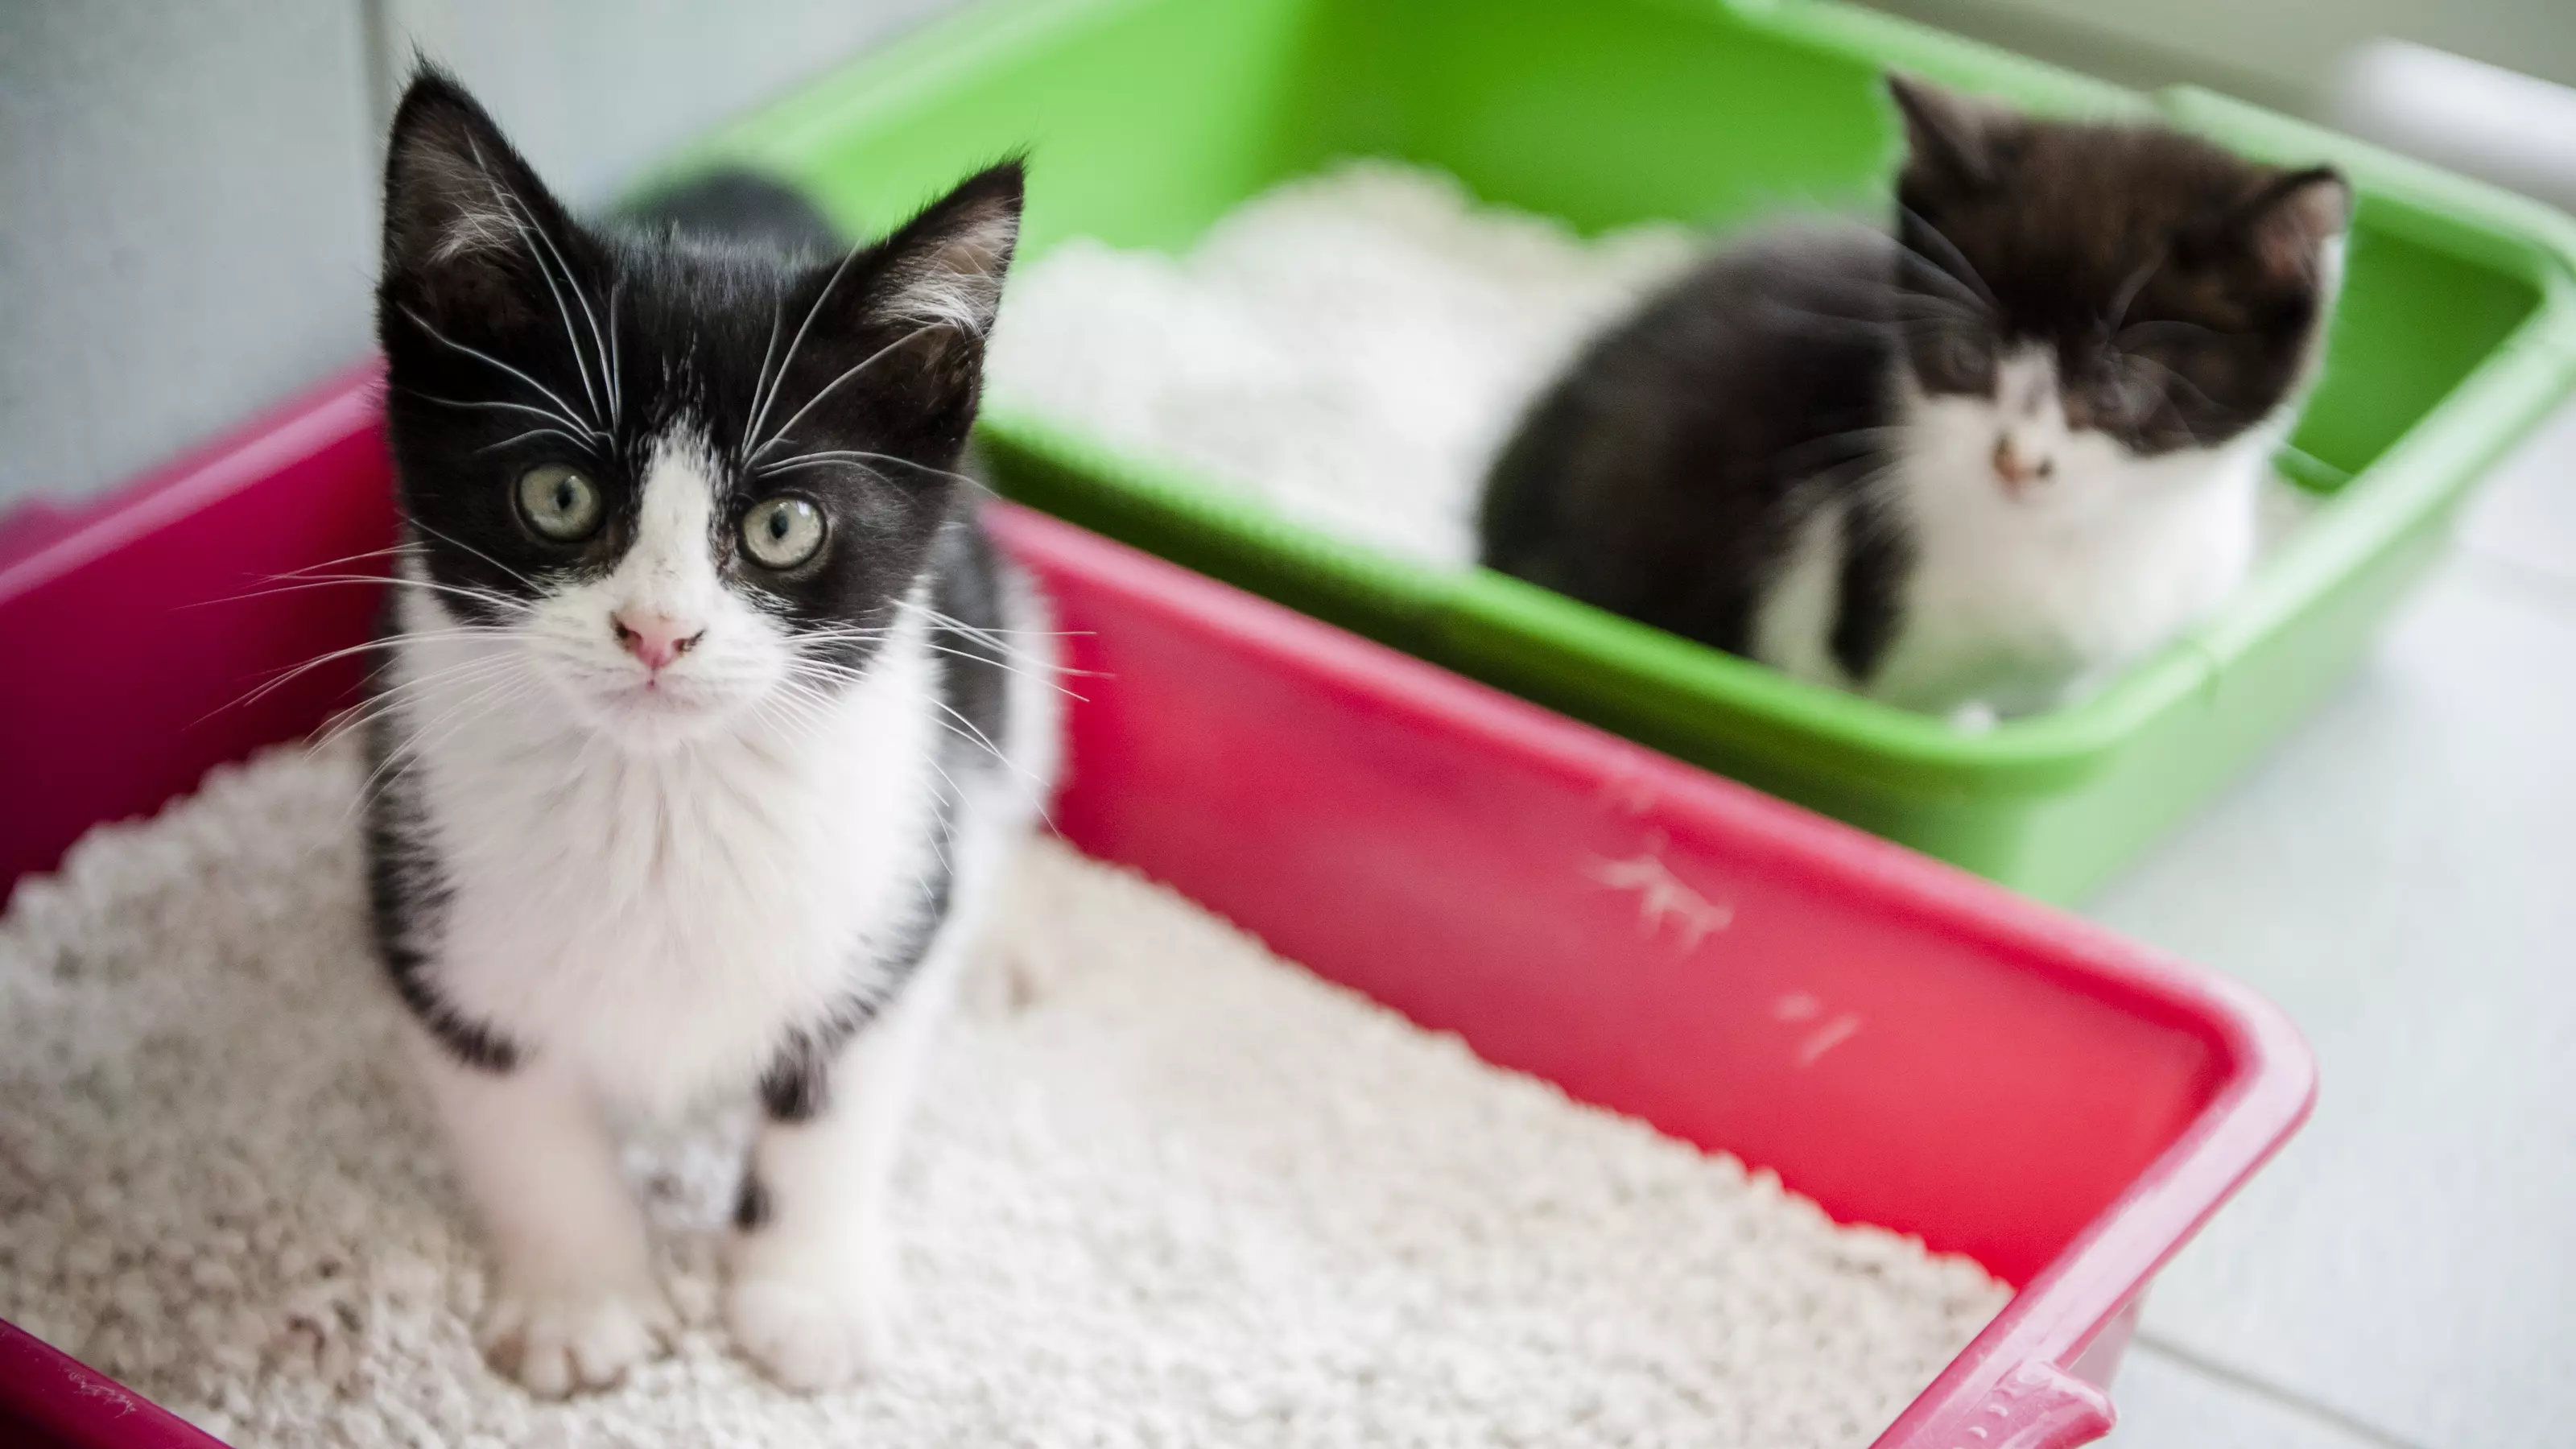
(1950, 138)
(945, 266)
(2282, 225)
(461, 207)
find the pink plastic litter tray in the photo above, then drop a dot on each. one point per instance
(1906, 1044)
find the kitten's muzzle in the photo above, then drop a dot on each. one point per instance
(655, 639)
(2020, 475)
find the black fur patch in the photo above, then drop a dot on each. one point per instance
(729, 205)
(751, 1205)
(408, 896)
(1667, 474)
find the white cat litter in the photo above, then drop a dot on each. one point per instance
(1349, 349)
(1188, 1196)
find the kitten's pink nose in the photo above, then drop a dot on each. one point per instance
(2020, 474)
(656, 639)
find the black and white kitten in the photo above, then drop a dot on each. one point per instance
(711, 717)
(1969, 469)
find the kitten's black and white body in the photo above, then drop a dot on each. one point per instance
(1970, 468)
(710, 719)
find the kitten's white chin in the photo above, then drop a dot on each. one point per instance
(655, 715)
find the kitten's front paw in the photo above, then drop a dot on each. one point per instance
(813, 1330)
(565, 1341)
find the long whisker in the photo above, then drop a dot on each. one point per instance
(478, 553)
(480, 355)
(2222, 409)
(489, 697)
(1006, 667)
(996, 637)
(289, 675)
(859, 456)
(388, 699)
(2129, 290)
(324, 581)
(760, 382)
(789, 361)
(616, 368)
(828, 388)
(581, 443)
(548, 414)
(1858, 443)
(525, 220)
(391, 549)
(1967, 269)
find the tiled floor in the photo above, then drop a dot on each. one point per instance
(2400, 875)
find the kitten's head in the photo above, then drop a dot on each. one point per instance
(683, 478)
(2079, 297)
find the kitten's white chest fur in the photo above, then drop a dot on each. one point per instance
(649, 919)
(2013, 603)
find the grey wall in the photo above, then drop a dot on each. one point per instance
(184, 225)
(187, 187)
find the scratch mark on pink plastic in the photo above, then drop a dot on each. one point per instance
(1827, 1037)
(1798, 1006)
(1661, 897)
(91, 1386)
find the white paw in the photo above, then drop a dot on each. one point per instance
(563, 1341)
(813, 1330)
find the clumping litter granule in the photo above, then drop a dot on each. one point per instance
(1187, 1195)
(1349, 349)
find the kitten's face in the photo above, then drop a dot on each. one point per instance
(682, 482)
(2082, 298)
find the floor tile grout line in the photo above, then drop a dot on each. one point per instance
(2270, 1392)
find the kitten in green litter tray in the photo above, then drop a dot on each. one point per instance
(1971, 465)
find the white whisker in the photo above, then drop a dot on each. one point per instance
(581, 443)
(828, 388)
(478, 553)
(532, 411)
(1951, 249)
(761, 416)
(480, 355)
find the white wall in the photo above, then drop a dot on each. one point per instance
(188, 187)
(2282, 53)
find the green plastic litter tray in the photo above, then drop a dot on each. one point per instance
(1145, 120)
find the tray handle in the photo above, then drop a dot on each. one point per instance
(2036, 1406)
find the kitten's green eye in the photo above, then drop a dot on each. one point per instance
(559, 502)
(780, 533)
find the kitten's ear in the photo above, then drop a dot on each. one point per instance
(945, 267)
(1950, 138)
(2281, 225)
(462, 210)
